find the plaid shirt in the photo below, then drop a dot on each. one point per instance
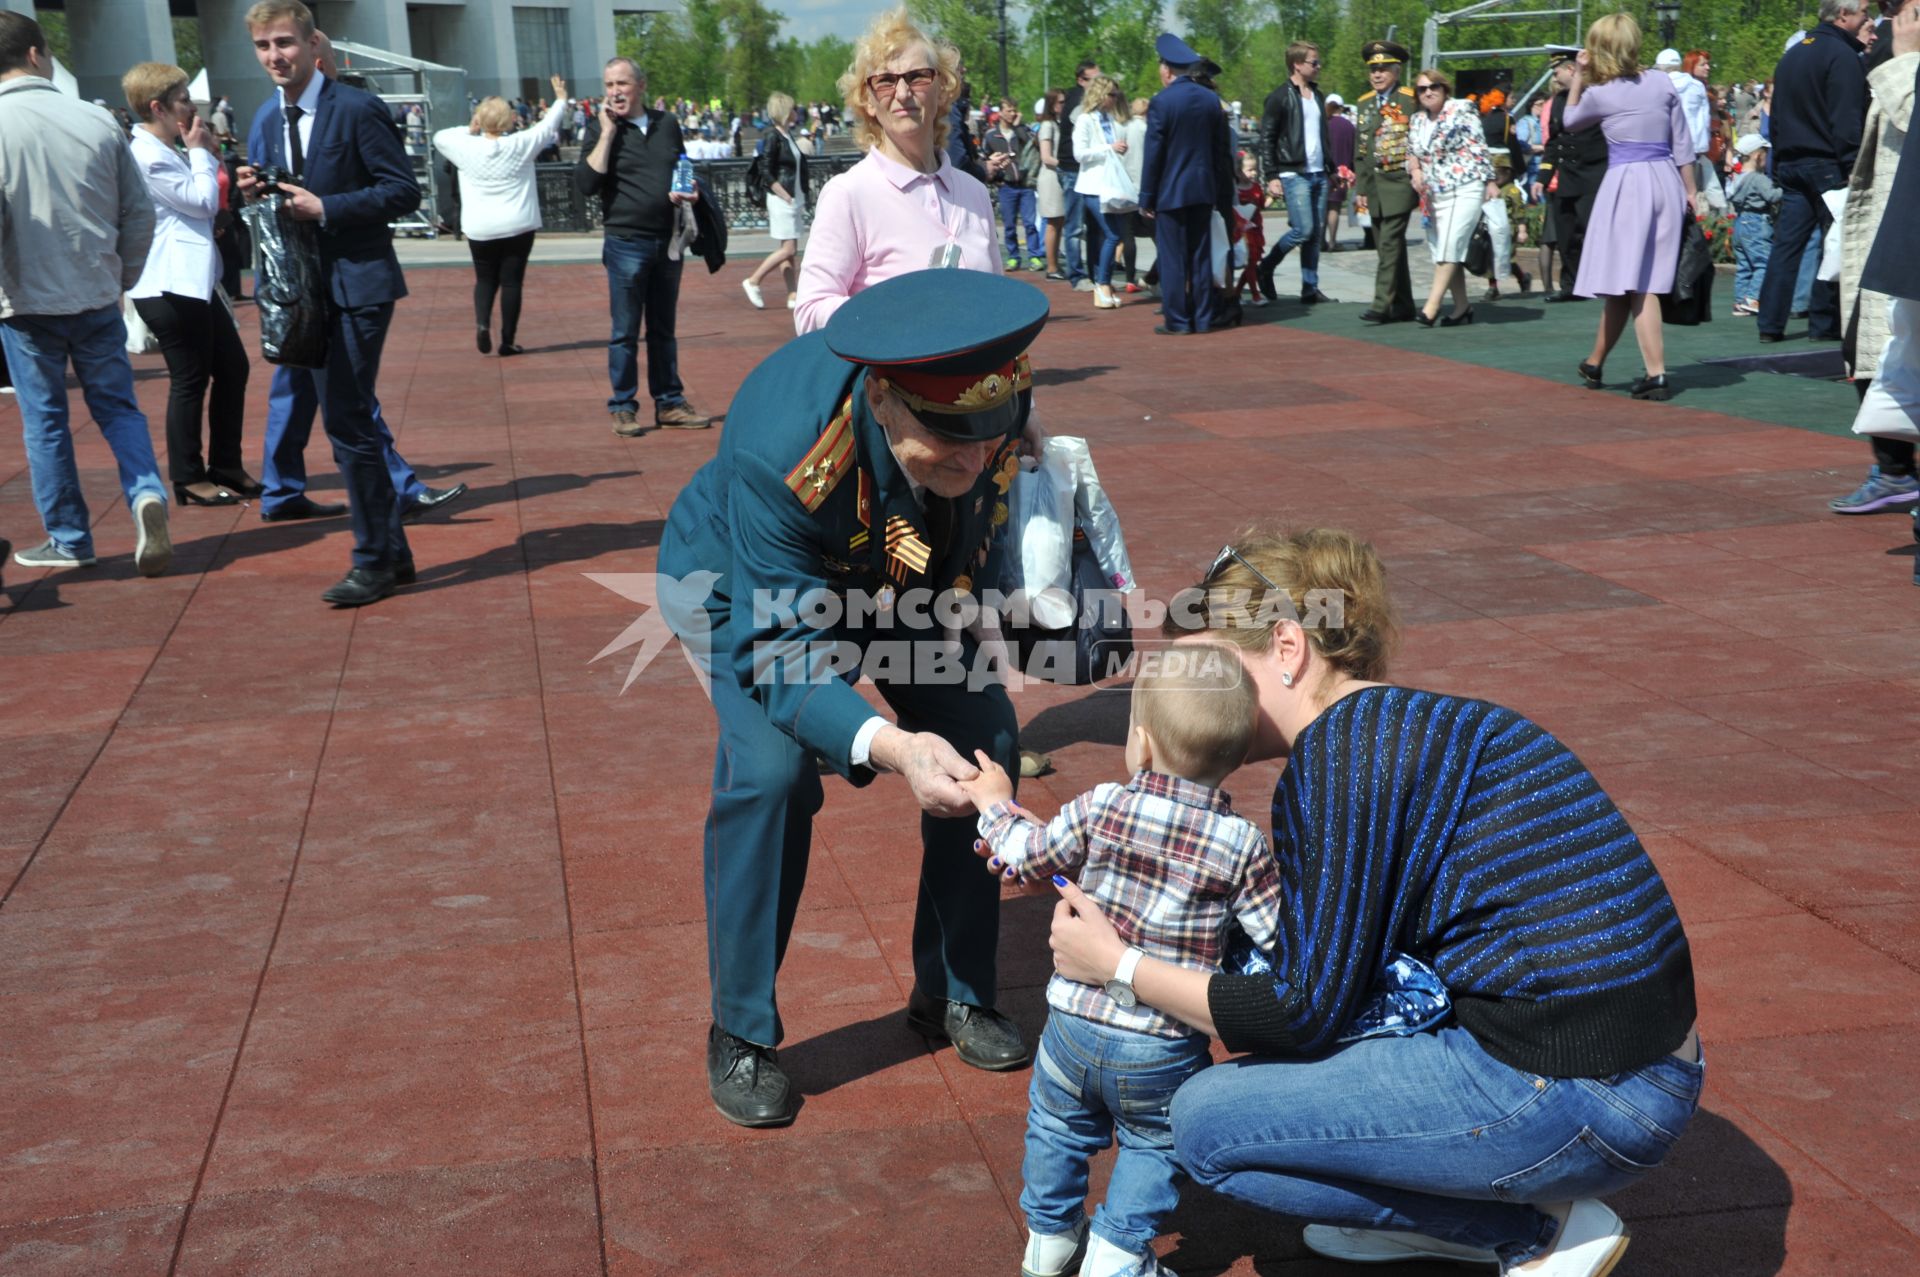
(1168, 862)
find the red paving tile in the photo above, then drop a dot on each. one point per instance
(372, 877)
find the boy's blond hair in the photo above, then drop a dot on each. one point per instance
(1196, 701)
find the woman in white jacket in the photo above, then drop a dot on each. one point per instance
(177, 295)
(1100, 145)
(499, 209)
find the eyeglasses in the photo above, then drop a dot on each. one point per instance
(884, 84)
(1230, 555)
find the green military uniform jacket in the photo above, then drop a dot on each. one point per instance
(804, 495)
(1380, 152)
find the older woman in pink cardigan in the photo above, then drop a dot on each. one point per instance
(904, 207)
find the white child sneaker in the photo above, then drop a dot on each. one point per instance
(1590, 1244)
(1386, 1246)
(1104, 1259)
(1054, 1254)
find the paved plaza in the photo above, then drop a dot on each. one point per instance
(372, 942)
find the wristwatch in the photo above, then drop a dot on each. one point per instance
(1120, 988)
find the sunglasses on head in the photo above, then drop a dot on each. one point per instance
(1230, 555)
(884, 84)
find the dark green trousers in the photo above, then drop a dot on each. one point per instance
(1392, 284)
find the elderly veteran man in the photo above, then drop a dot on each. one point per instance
(1380, 175)
(866, 466)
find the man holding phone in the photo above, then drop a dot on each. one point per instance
(627, 160)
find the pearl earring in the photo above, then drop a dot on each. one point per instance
(1286, 680)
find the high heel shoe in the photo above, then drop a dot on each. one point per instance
(1423, 319)
(1590, 375)
(1455, 321)
(1654, 388)
(203, 494)
(238, 481)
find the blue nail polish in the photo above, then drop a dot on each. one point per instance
(1058, 881)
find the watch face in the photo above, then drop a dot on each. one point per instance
(1120, 993)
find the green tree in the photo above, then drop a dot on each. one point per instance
(750, 63)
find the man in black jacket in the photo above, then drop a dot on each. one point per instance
(1819, 113)
(628, 160)
(1293, 158)
(1573, 165)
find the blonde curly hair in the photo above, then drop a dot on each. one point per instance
(893, 33)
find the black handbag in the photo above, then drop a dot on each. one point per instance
(1480, 252)
(1691, 301)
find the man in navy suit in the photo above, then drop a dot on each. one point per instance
(1182, 182)
(291, 405)
(351, 176)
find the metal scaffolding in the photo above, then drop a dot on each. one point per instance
(1432, 55)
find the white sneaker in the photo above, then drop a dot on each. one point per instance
(1054, 1254)
(1590, 1245)
(1386, 1246)
(153, 548)
(1104, 1259)
(752, 290)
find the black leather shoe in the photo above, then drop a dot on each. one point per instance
(746, 1082)
(404, 573)
(1455, 321)
(430, 500)
(1562, 296)
(1311, 296)
(1654, 388)
(981, 1036)
(303, 508)
(1165, 331)
(1423, 319)
(359, 587)
(1382, 317)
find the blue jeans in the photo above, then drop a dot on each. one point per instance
(291, 404)
(1809, 268)
(38, 348)
(1020, 204)
(1752, 245)
(1105, 223)
(1428, 1134)
(1092, 1082)
(1072, 234)
(642, 283)
(1306, 220)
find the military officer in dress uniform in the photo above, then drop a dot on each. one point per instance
(864, 465)
(1571, 170)
(1380, 174)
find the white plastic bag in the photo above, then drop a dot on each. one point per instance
(1220, 247)
(1042, 516)
(1836, 202)
(140, 338)
(1093, 512)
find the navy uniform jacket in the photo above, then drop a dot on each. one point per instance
(800, 497)
(1893, 265)
(1577, 156)
(1186, 134)
(357, 166)
(1819, 101)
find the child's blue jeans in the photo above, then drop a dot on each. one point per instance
(1092, 1082)
(1752, 245)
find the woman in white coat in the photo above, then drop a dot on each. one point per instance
(1100, 145)
(177, 294)
(499, 208)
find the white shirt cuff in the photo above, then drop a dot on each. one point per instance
(863, 741)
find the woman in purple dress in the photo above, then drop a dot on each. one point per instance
(1633, 238)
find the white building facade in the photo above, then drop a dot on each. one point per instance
(508, 47)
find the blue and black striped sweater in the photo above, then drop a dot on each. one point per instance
(1465, 835)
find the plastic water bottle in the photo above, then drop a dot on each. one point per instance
(683, 176)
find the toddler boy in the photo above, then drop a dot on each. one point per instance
(1171, 866)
